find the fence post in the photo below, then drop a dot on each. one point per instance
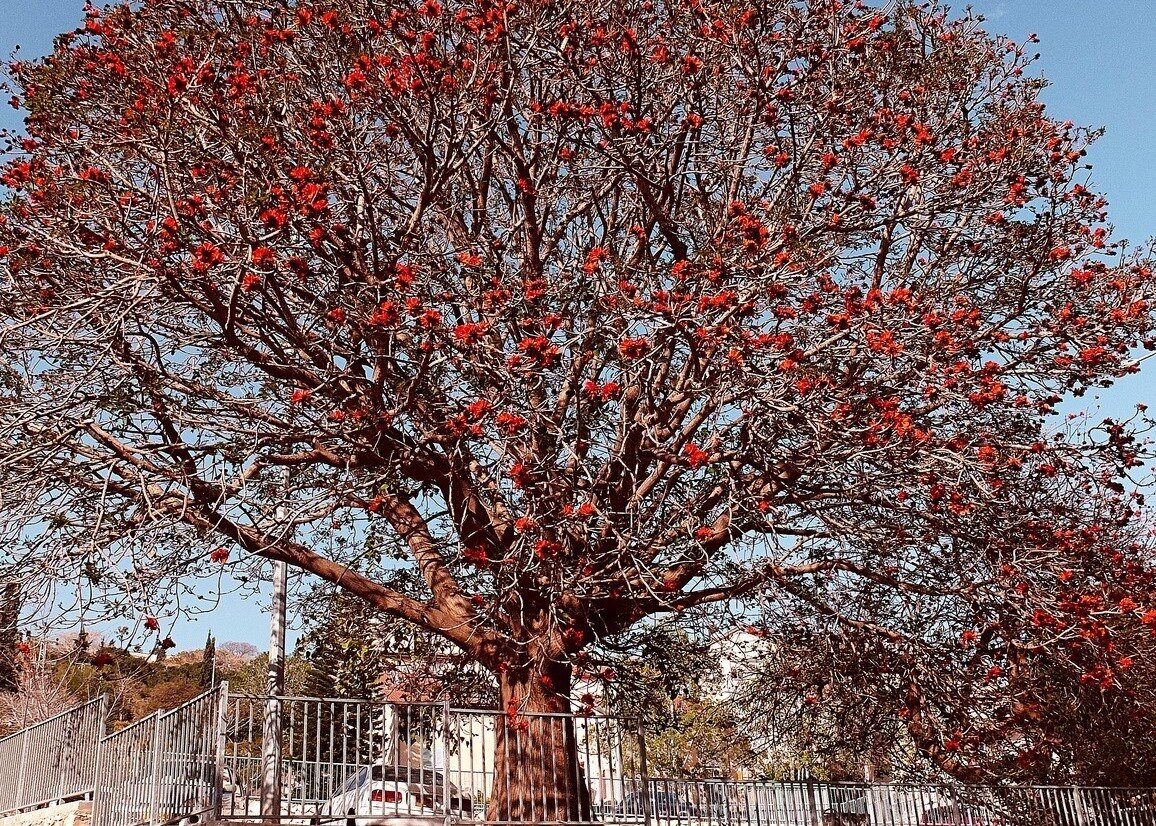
(102, 732)
(1078, 805)
(445, 761)
(222, 734)
(643, 775)
(20, 801)
(812, 803)
(96, 775)
(154, 801)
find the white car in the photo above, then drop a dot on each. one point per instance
(395, 795)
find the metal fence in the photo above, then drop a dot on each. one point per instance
(704, 802)
(339, 762)
(164, 768)
(543, 768)
(52, 761)
(361, 760)
(349, 762)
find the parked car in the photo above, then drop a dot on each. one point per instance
(397, 795)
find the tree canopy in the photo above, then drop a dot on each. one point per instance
(582, 314)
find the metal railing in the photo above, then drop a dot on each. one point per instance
(351, 762)
(815, 803)
(52, 761)
(362, 760)
(544, 768)
(164, 768)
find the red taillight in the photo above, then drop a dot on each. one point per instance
(385, 796)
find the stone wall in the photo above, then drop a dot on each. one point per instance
(66, 814)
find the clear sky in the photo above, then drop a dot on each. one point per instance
(1096, 54)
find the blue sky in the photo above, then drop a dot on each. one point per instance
(1097, 55)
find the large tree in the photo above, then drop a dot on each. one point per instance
(587, 312)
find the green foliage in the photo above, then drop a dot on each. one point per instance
(705, 739)
(653, 668)
(340, 649)
(670, 681)
(138, 686)
(350, 650)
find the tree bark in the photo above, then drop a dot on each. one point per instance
(539, 776)
(9, 636)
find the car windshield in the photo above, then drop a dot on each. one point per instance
(357, 780)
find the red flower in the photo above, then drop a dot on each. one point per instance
(509, 423)
(386, 314)
(477, 409)
(219, 555)
(594, 259)
(547, 548)
(923, 135)
(884, 342)
(470, 333)
(602, 392)
(540, 349)
(206, 256)
(696, 457)
(521, 475)
(273, 218)
(475, 555)
(633, 348)
(691, 65)
(151, 623)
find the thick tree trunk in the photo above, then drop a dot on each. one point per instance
(538, 773)
(9, 635)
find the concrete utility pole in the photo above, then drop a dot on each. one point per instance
(271, 750)
(271, 745)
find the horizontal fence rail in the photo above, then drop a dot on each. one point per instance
(52, 761)
(343, 762)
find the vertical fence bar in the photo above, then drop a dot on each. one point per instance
(154, 785)
(221, 739)
(643, 775)
(20, 794)
(447, 800)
